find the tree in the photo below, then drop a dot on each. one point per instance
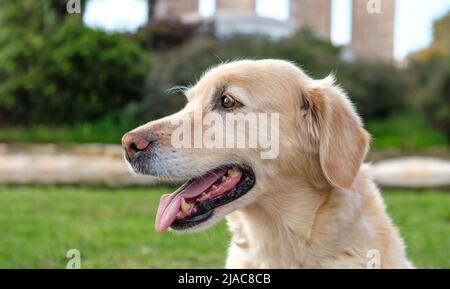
(432, 69)
(35, 16)
(55, 70)
(441, 40)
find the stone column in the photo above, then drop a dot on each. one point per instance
(373, 30)
(316, 14)
(244, 6)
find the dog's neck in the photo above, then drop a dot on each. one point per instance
(285, 219)
(293, 211)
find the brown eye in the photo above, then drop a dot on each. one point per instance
(228, 102)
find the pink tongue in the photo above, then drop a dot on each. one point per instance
(169, 204)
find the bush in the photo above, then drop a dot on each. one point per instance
(164, 34)
(185, 64)
(378, 90)
(433, 93)
(75, 74)
(19, 51)
(25, 14)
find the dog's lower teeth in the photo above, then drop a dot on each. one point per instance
(185, 206)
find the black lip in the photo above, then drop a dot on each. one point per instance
(205, 209)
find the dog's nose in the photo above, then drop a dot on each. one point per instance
(134, 142)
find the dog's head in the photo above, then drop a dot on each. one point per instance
(246, 125)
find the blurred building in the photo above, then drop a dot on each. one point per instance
(239, 17)
(245, 6)
(176, 9)
(372, 30)
(316, 14)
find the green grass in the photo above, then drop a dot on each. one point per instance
(424, 221)
(111, 228)
(114, 228)
(410, 132)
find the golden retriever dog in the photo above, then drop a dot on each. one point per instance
(311, 203)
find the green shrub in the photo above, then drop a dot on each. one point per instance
(19, 52)
(185, 64)
(164, 34)
(433, 93)
(378, 90)
(24, 14)
(318, 57)
(75, 74)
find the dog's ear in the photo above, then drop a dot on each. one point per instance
(336, 130)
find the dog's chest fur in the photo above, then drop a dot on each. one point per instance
(338, 231)
(258, 247)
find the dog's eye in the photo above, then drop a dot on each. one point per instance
(228, 102)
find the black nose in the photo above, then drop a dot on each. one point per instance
(134, 142)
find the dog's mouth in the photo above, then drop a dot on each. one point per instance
(194, 202)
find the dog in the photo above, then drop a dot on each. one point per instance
(313, 205)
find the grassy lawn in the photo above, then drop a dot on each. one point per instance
(410, 132)
(114, 228)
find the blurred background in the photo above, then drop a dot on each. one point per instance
(75, 75)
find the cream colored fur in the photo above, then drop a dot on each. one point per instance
(315, 206)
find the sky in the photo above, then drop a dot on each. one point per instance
(413, 19)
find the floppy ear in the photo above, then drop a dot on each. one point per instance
(341, 139)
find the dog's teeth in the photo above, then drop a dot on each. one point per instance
(185, 206)
(224, 178)
(214, 187)
(233, 172)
